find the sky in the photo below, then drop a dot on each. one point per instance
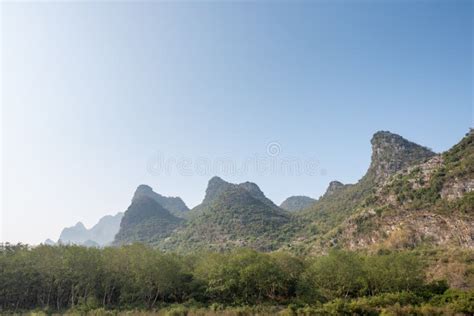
(99, 97)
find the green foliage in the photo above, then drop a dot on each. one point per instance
(393, 272)
(246, 276)
(330, 211)
(235, 219)
(338, 275)
(242, 282)
(458, 165)
(343, 274)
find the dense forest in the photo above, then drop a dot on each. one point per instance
(76, 279)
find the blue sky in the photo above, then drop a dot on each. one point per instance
(91, 92)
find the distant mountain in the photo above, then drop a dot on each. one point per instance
(100, 234)
(232, 215)
(76, 234)
(173, 204)
(49, 242)
(297, 203)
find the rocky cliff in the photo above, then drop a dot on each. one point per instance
(423, 199)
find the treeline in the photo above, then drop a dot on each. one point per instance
(57, 278)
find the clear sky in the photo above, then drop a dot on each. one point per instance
(96, 94)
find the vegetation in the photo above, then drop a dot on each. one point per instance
(458, 166)
(146, 221)
(76, 279)
(297, 203)
(236, 218)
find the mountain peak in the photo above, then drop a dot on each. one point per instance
(143, 188)
(144, 221)
(392, 152)
(173, 204)
(215, 187)
(333, 187)
(216, 181)
(80, 225)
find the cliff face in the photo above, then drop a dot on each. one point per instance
(391, 153)
(408, 197)
(426, 203)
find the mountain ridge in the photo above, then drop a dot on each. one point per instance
(102, 233)
(399, 202)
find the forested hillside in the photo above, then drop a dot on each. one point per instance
(237, 217)
(146, 221)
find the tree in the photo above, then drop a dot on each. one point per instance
(337, 275)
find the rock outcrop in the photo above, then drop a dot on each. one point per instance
(391, 153)
(333, 187)
(429, 203)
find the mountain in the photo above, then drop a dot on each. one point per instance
(408, 197)
(426, 203)
(151, 217)
(173, 204)
(100, 234)
(232, 215)
(76, 234)
(297, 203)
(104, 231)
(216, 186)
(146, 221)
